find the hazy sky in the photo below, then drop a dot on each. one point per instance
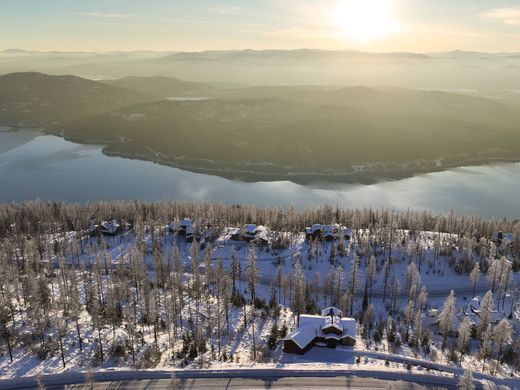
(376, 25)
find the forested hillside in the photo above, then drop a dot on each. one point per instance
(271, 131)
(147, 298)
(36, 99)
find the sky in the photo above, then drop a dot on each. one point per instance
(195, 25)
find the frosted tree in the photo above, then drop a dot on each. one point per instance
(5, 327)
(446, 317)
(353, 282)
(492, 274)
(486, 307)
(253, 276)
(505, 278)
(464, 336)
(371, 274)
(235, 268)
(384, 277)
(298, 301)
(502, 336)
(394, 295)
(474, 276)
(466, 381)
(413, 280)
(486, 345)
(422, 299)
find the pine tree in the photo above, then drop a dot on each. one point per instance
(464, 336)
(371, 274)
(235, 267)
(486, 345)
(502, 336)
(298, 301)
(474, 276)
(353, 282)
(486, 307)
(253, 276)
(446, 317)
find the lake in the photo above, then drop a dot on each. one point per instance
(34, 165)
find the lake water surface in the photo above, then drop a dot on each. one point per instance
(33, 165)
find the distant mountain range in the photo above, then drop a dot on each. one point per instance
(271, 131)
(449, 70)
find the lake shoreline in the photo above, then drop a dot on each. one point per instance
(50, 168)
(363, 176)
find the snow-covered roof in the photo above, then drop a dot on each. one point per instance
(262, 235)
(475, 304)
(250, 228)
(234, 231)
(335, 311)
(328, 230)
(349, 326)
(110, 226)
(185, 223)
(311, 326)
(503, 236)
(332, 322)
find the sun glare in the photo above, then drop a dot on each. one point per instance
(364, 20)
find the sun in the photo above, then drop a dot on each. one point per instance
(364, 20)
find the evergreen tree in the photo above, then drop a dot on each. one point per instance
(446, 317)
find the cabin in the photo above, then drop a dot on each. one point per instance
(329, 329)
(106, 228)
(261, 237)
(474, 309)
(234, 234)
(327, 232)
(313, 231)
(500, 238)
(255, 234)
(184, 226)
(189, 233)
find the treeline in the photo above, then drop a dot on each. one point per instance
(36, 217)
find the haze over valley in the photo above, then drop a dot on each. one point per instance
(266, 194)
(269, 131)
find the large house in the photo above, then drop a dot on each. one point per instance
(106, 228)
(258, 235)
(326, 330)
(327, 232)
(183, 228)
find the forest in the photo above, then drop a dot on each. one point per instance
(148, 298)
(298, 133)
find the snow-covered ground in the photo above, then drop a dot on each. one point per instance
(434, 256)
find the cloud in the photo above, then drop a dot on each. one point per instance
(509, 15)
(97, 14)
(226, 10)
